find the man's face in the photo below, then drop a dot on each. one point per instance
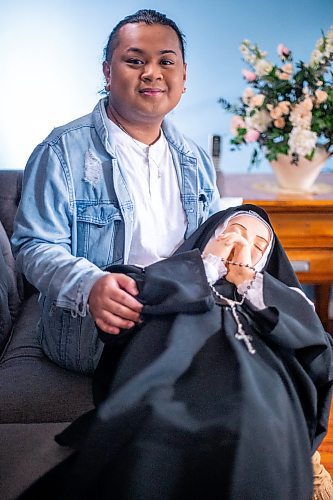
(146, 74)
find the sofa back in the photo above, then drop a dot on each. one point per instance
(10, 194)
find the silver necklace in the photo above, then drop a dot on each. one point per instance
(138, 143)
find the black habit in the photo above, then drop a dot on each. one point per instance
(184, 411)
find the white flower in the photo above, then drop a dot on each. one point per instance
(284, 102)
(247, 95)
(319, 43)
(316, 57)
(260, 120)
(250, 52)
(323, 49)
(263, 67)
(302, 141)
(329, 35)
(247, 55)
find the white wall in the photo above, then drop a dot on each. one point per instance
(51, 54)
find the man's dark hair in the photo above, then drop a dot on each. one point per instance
(146, 16)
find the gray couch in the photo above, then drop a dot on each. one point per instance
(37, 398)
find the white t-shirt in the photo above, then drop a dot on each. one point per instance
(159, 219)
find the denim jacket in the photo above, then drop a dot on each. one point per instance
(75, 218)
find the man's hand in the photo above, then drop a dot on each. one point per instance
(112, 303)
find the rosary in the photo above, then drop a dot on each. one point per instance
(240, 334)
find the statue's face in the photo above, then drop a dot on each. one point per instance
(255, 232)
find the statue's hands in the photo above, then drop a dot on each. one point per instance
(233, 246)
(112, 303)
(221, 246)
(241, 253)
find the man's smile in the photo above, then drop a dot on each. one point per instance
(151, 91)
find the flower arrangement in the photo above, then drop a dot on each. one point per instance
(286, 108)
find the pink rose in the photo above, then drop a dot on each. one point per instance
(250, 76)
(252, 135)
(282, 50)
(283, 76)
(287, 68)
(236, 123)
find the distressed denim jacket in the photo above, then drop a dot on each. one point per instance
(75, 218)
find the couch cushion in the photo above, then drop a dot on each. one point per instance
(32, 388)
(27, 452)
(9, 296)
(10, 193)
(6, 249)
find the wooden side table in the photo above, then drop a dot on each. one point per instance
(303, 223)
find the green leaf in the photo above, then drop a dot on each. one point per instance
(310, 155)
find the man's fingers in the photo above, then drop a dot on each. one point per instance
(120, 309)
(121, 290)
(113, 330)
(111, 323)
(124, 299)
(128, 284)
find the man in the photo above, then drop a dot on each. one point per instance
(120, 185)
